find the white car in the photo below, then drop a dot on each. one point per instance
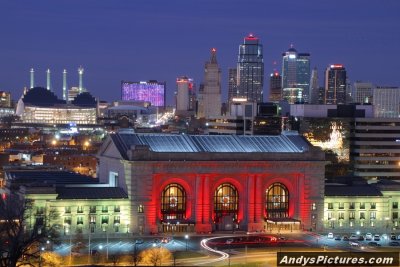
(353, 237)
(330, 235)
(368, 236)
(377, 238)
(354, 244)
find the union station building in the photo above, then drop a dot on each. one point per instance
(198, 183)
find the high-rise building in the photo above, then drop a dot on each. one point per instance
(386, 102)
(232, 84)
(314, 87)
(185, 91)
(5, 99)
(335, 84)
(275, 87)
(250, 70)
(151, 91)
(210, 96)
(295, 76)
(363, 92)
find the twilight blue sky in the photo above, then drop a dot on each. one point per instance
(139, 40)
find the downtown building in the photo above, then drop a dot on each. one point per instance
(295, 76)
(184, 183)
(185, 96)
(250, 72)
(335, 85)
(149, 91)
(275, 87)
(209, 98)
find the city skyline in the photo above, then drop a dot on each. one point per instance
(143, 41)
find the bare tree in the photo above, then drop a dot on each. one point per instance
(22, 231)
(137, 257)
(156, 256)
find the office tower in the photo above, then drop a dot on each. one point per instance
(32, 72)
(48, 79)
(185, 90)
(363, 92)
(210, 95)
(275, 87)
(314, 87)
(151, 91)
(335, 84)
(295, 76)
(5, 99)
(321, 96)
(386, 102)
(80, 72)
(250, 70)
(64, 84)
(232, 84)
(303, 75)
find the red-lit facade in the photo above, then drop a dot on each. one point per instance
(204, 191)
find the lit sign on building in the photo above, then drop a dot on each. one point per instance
(153, 92)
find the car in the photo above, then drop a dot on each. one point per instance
(398, 237)
(354, 243)
(139, 241)
(353, 237)
(330, 235)
(165, 240)
(377, 238)
(229, 241)
(392, 236)
(360, 238)
(394, 243)
(368, 236)
(384, 237)
(345, 238)
(338, 238)
(373, 244)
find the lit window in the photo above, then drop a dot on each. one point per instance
(395, 205)
(352, 205)
(341, 205)
(372, 215)
(395, 215)
(277, 201)
(79, 209)
(362, 206)
(373, 206)
(352, 215)
(173, 201)
(330, 206)
(362, 215)
(140, 208)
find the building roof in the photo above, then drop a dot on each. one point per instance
(210, 143)
(49, 177)
(90, 193)
(39, 96)
(352, 190)
(84, 99)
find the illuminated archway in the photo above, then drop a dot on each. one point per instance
(173, 202)
(226, 200)
(277, 201)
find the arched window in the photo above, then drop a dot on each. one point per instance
(173, 202)
(226, 199)
(277, 201)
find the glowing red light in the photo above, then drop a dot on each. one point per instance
(334, 66)
(214, 50)
(4, 196)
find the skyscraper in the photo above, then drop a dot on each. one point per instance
(386, 102)
(210, 95)
(295, 76)
(232, 83)
(151, 91)
(335, 84)
(275, 87)
(363, 92)
(250, 70)
(185, 90)
(314, 87)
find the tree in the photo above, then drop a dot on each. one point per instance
(156, 256)
(137, 256)
(22, 231)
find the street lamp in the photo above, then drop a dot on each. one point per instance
(387, 226)
(187, 238)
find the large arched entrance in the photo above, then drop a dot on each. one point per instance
(226, 206)
(277, 208)
(173, 208)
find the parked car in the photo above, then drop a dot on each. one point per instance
(345, 238)
(354, 243)
(373, 244)
(330, 235)
(394, 243)
(392, 236)
(377, 238)
(139, 241)
(338, 238)
(368, 236)
(384, 237)
(353, 237)
(165, 240)
(360, 238)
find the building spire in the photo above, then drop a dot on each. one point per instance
(48, 80)
(32, 72)
(213, 56)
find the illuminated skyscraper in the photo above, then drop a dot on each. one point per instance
(335, 84)
(210, 95)
(250, 70)
(363, 92)
(314, 87)
(275, 87)
(386, 101)
(232, 80)
(295, 76)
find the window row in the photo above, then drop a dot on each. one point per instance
(352, 205)
(93, 209)
(93, 219)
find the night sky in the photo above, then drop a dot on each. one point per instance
(139, 40)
